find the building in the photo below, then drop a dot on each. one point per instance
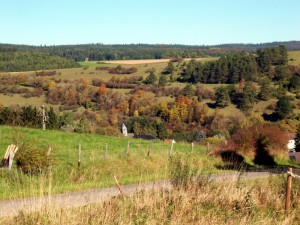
(124, 130)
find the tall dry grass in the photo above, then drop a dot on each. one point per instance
(214, 203)
(194, 199)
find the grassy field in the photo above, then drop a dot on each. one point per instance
(88, 72)
(131, 165)
(8, 100)
(294, 58)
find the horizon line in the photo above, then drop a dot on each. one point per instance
(170, 44)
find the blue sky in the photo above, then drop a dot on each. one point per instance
(191, 22)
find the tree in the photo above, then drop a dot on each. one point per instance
(247, 98)
(282, 74)
(102, 90)
(222, 97)
(265, 92)
(188, 91)
(53, 120)
(162, 131)
(169, 69)
(30, 116)
(283, 107)
(297, 139)
(283, 55)
(262, 154)
(163, 80)
(151, 78)
(294, 84)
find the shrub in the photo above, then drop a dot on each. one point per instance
(33, 160)
(117, 70)
(246, 140)
(186, 171)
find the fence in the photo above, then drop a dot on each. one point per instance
(290, 175)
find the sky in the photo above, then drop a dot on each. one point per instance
(189, 22)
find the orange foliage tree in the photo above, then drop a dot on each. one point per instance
(244, 140)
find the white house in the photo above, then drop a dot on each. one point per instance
(291, 145)
(124, 130)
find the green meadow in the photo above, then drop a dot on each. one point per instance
(102, 157)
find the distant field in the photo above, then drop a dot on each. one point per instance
(150, 61)
(88, 71)
(137, 62)
(18, 99)
(95, 64)
(294, 58)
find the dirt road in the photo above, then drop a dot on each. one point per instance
(75, 199)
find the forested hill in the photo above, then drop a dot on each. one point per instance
(30, 61)
(290, 45)
(141, 51)
(26, 57)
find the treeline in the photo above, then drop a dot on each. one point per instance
(231, 69)
(97, 52)
(30, 61)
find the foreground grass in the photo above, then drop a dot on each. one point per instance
(142, 161)
(259, 201)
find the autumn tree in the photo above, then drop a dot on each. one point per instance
(102, 90)
(162, 110)
(180, 109)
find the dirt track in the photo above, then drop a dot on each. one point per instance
(76, 199)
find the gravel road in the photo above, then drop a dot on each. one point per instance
(81, 198)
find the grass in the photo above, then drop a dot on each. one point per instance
(95, 170)
(294, 58)
(8, 100)
(95, 64)
(240, 201)
(90, 73)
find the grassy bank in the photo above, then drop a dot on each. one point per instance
(139, 161)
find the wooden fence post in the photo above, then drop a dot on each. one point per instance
(148, 150)
(127, 150)
(79, 153)
(288, 191)
(207, 146)
(49, 151)
(192, 149)
(10, 159)
(105, 151)
(171, 149)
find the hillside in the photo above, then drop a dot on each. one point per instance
(181, 99)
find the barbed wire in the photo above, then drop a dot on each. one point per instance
(293, 175)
